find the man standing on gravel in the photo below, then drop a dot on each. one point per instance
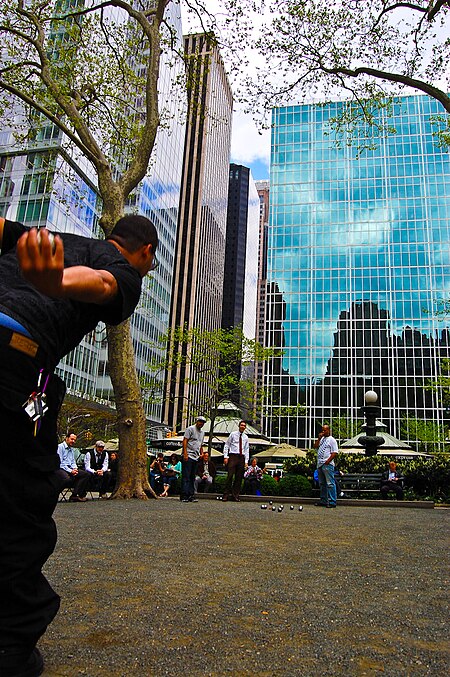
(327, 450)
(192, 443)
(236, 453)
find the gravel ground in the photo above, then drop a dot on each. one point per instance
(165, 588)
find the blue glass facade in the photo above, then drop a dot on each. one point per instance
(358, 259)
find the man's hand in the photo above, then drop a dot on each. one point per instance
(74, 471)
(42, 264)
(225, 461)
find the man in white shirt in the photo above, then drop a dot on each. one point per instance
(327, 450)
(236, 454)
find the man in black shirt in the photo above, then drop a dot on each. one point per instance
(53, 290)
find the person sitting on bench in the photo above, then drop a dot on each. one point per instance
(96, 464)
(204, 473)
(392, 481)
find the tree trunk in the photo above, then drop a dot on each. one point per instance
(132, 478)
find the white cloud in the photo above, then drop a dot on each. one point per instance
(247, 143)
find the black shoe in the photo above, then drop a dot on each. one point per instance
(77, 499)
(224, 498)
(321, 505)
(14, 665)
(193, 500)
(185, 500)
(331, 506)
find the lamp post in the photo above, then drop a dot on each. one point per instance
(371, 410)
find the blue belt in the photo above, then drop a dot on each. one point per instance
(9, 323)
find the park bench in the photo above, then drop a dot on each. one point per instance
(360, 483)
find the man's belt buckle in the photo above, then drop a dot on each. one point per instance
(23, 344)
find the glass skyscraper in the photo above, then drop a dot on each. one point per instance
(358, 262)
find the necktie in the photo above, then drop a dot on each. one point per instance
(240, 444)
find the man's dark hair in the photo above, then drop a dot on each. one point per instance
(133, 231)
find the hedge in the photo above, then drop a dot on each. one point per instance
(425, 478)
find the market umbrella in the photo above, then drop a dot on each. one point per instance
(282, 451)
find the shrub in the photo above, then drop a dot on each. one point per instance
(269, 486)
(294, 485)
(219, 483)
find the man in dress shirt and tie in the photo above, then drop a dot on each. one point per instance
(236, 454)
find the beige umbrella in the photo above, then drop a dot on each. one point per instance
(167, 452)
(282, 451)
(112, 445)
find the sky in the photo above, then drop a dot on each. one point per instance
(249, 146)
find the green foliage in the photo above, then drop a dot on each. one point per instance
(294, 485)
(429, 478)
(208, 357)
(219, 483)
(345, 428)
(442, 384)
(269, 486)
(430, 435)
(425, 478)
(87, 73)
(367, 52)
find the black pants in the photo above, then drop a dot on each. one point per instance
(81, 482)
(388, 486)
(188, 469)
(29, 489)
(235, 468)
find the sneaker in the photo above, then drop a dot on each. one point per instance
(193, 500)
(185, 500)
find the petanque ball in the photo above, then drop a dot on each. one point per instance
(300, 508)
(273, 507)
(51, 238)
(292, 507)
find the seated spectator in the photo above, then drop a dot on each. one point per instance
(170, 474)
(96, 464)
(252, 478)
(392, 481)
(111, 473)
(68, 473)
(205, 473)
(157, 468)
